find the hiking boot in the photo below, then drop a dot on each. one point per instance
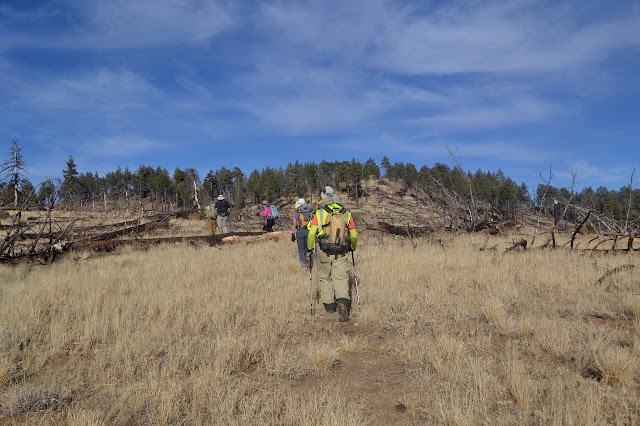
(343, 309)
(330, 307)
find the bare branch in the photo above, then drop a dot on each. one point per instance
(626, 223)
(541, 203)
(472, 207)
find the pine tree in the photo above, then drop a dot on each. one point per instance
(254, 186)
(70, 184)
(385, 163)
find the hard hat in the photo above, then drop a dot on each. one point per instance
(301, 202)
(220, 197)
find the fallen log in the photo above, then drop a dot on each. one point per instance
(410, 231)
(107, 246)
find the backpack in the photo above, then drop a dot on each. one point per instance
(274, 212)
(335, 237)
(223, 207)
(304, 216)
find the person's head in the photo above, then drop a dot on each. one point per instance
(265, 203)
(333, 199)
(220, 197)
(301, 202)
(326, 192)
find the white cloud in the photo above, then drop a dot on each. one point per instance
(88, 92)
(122, 146)
(454, 37)
(72, 24)
(296, 98)
(587, 173)
(494, 114)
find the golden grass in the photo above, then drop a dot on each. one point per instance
(223, 335)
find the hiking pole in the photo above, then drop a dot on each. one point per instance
(310, 283)
(353, 259)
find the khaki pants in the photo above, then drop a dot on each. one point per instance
(223, 224)
(212, 225)
(333, 277)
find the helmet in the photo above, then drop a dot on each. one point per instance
(265, 202)
(220, 197)
(301, 202)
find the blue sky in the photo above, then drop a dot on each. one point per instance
(517, 85)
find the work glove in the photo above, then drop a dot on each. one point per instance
(293, 238)
(257, 214)
(307, 254)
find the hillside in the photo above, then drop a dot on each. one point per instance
(384, 206)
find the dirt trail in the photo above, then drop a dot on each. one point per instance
(371, 377)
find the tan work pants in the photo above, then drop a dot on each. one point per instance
(212, 225)
(333, 277)
(223, 224)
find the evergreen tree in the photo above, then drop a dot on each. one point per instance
(312, 179)
(239, 187)
(27, 191)
(271, 183)
(371, 169)
(254, 186)
(47, 193)
(210, 185)
(355, 175)
(70, 186)
(385, 163)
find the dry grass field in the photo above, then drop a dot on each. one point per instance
(452, 330)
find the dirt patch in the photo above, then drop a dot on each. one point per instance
(370, 377)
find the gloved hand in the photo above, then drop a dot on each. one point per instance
(293, 238)
(257, 214)
(307, 254)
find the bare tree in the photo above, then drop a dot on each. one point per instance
(13, 167)
(626, 222)
(541, 201)
(472, 207)
(558, 218)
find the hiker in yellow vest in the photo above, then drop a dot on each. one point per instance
(333, 267)
(326, 193)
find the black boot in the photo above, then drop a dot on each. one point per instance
(343, 309)
(330, 307)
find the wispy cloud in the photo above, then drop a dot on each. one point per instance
(123, 146)
(390, 77)
(89, 91)
(453, 37)
(587, 173)
(73, 24)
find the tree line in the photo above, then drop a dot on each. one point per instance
(184, 189)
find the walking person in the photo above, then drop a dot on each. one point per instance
(212, 225)
(221, 213)
(301, 217)
(326, 194)
(266, 213)
(333, 228)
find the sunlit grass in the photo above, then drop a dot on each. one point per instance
(199, 335)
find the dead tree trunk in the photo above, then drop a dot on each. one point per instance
(573, 237)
